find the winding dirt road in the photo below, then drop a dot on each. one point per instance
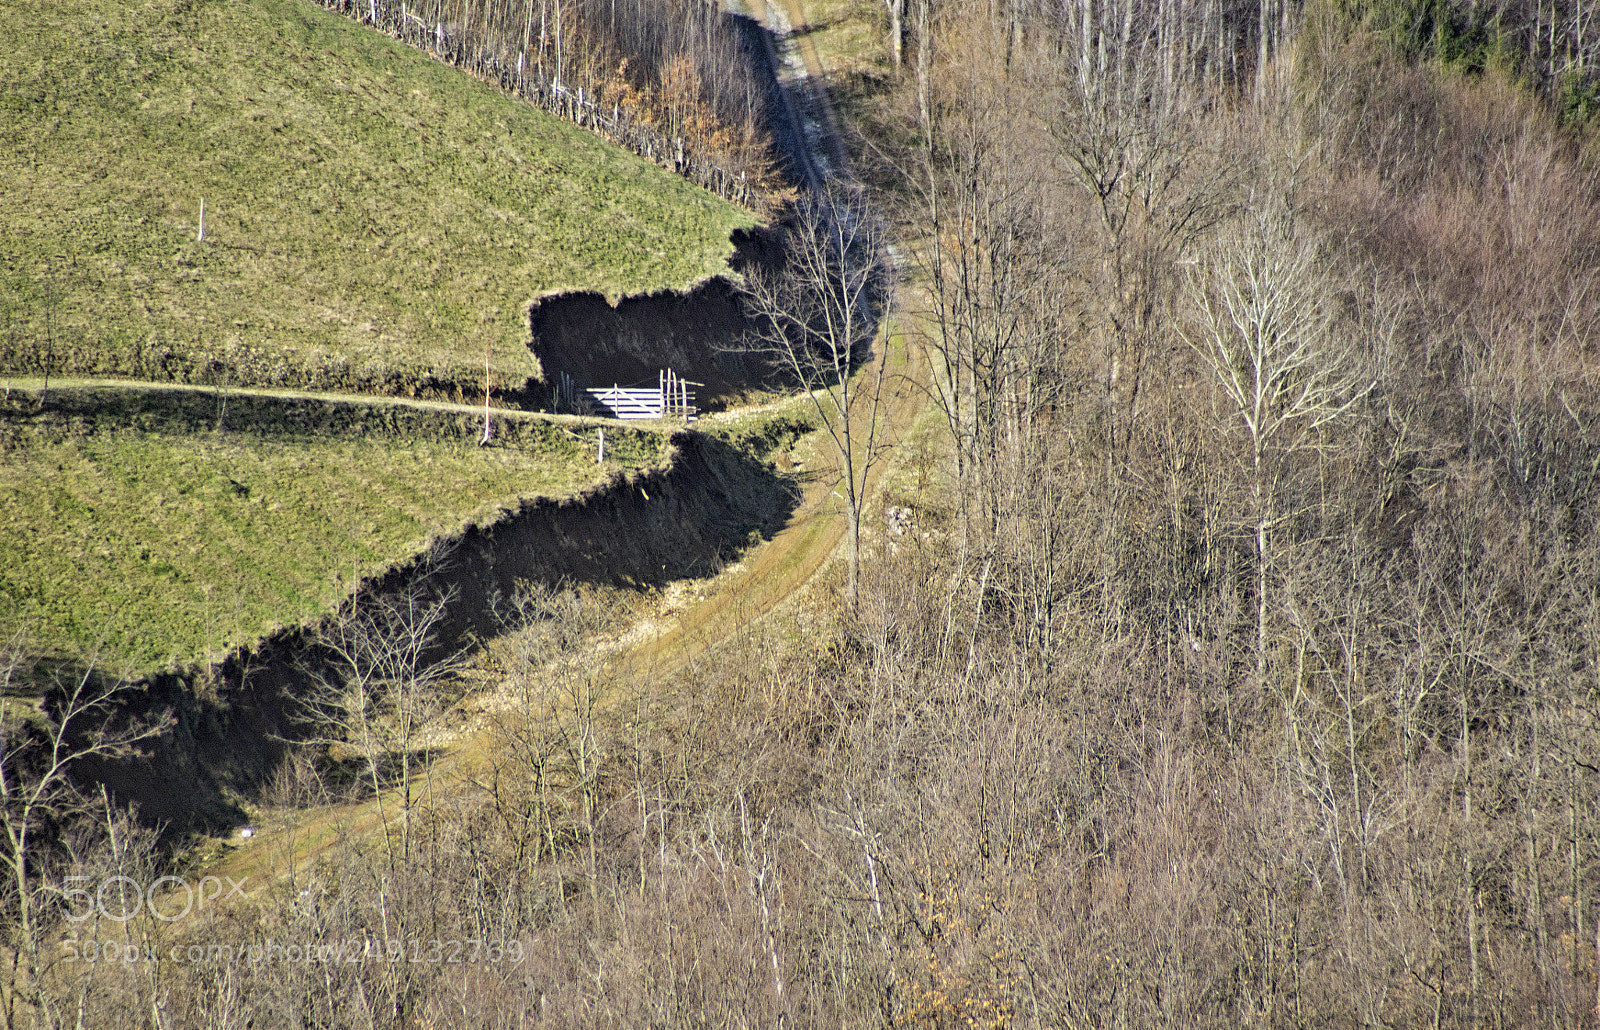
(650, 651)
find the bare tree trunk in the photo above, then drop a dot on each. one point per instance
(815, 318)
(897, 11)
(924, 67)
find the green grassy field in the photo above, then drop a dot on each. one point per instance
(130, 525)
(373, 219)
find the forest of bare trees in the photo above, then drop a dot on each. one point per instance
(1275, 418)
(1241, 668)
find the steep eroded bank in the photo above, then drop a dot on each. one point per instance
(234, 724)
(698, 333)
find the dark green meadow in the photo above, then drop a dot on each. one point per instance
(134, 531)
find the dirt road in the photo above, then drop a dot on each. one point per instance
(770, 576)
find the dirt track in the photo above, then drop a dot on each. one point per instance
(770, 576)
(57, 383)
(643, 656)
(802, 77)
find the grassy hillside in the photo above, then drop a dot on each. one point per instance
(373, 219)
(129, 521)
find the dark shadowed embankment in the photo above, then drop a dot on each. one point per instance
(233, 726)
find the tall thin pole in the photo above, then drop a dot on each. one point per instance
(488, 386)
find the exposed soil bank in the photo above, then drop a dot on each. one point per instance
(643, 529)
(231, 727)
(697, 333)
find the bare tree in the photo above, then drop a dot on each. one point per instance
(992, 278)
(40, 744)
(816, 318)
(896, 10)
(377, 684)
(551, 733)
(1268, 336)
(1154, 181)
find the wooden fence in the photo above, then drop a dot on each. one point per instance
(672, 397)
(393, 18)
(626, 402)
(676, 397)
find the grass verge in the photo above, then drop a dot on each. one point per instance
(851, 37)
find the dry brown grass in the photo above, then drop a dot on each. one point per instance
(1057, 769)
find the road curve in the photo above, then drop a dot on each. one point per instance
(647, 654)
